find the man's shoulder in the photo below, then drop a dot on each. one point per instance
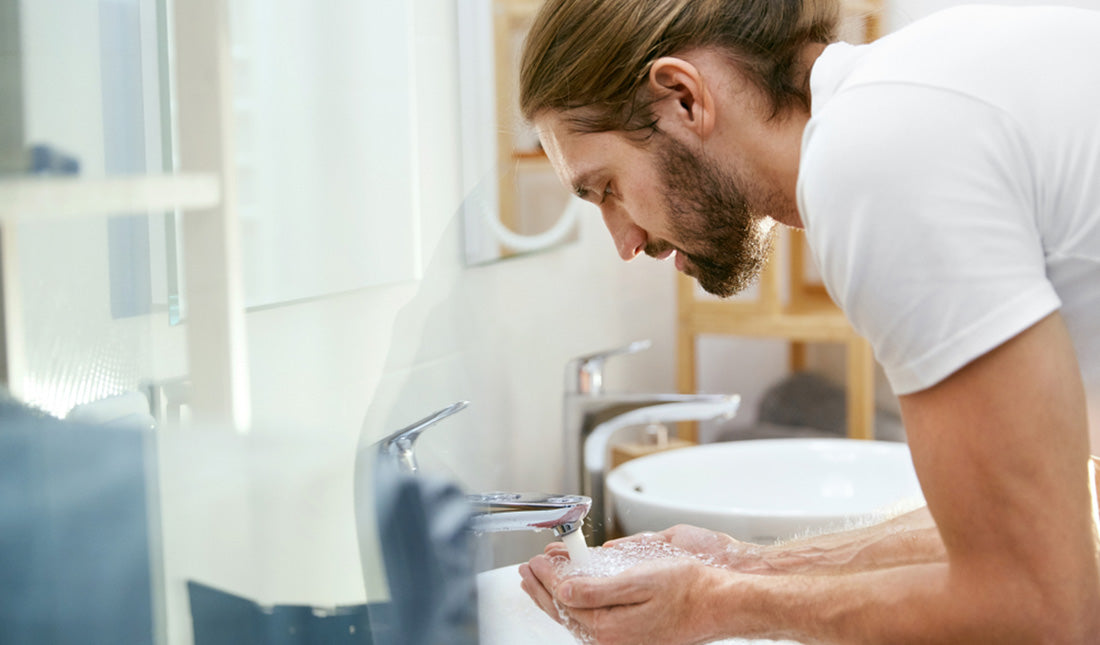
(987, 52)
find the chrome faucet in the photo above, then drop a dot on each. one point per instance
(496, 511)
(592, 417)
(562, 514)
(399, 445)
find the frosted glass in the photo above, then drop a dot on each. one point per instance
(324, 133)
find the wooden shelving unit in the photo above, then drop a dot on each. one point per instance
(806, 316)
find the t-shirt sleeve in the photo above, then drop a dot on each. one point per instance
(919, 207)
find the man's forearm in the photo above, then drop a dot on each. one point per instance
(910, 538)
(923, 603)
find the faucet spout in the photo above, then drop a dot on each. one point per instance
(591, 417)
(494, 512)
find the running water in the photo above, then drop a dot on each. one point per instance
(606, 561)
(612, 560)
(578, 549)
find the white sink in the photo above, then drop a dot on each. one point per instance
(506, 616)
(761, 491)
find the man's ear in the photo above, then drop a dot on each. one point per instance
(682, 98)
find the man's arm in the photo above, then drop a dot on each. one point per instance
(909, 538)
(906, 538)
(1001, 449)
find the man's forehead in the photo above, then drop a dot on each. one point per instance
(556, 142)
(578, 158)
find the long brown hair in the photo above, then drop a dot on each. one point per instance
(595, 54)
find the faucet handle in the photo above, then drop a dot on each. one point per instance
(584, 374)
(399, 445)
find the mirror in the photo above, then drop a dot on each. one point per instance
(82, 100)
(514, 201)
(323, 171)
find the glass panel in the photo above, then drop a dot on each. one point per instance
(323, 129)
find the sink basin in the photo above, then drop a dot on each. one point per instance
(765, 490)
(506, 616)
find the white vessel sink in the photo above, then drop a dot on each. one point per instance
(506, 616)
(761, 491)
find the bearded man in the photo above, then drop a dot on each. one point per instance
(948, 180)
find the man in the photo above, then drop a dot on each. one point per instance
(948, 179)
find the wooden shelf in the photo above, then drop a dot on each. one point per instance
(56, 197)
(808, 315)
(531, 160)
(813, 324)
(529, 155)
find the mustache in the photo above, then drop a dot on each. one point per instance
(657, 247)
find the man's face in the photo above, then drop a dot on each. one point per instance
(725, 242)
(661, 198)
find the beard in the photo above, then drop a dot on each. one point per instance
(725, 242)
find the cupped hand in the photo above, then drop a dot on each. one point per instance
(663, 601)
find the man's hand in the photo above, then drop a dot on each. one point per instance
(660, 601)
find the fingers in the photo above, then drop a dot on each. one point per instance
(538, 592)
(593, 593)
(542, 575)
(630, 588)
(545, 569)
(638, 537)
(555, 549)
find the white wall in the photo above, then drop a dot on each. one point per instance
(901, 12)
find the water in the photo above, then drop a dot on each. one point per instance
(613, 560)
(607, 561)
(578, 549)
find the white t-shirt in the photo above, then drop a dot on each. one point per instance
(950, 185)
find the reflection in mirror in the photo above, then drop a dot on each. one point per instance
(514, 202)
(104, 58)
(324, 160)
(322, 132)
(82, 126)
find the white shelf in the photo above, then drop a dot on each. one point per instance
(55, 197)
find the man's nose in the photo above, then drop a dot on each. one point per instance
(630, 239)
